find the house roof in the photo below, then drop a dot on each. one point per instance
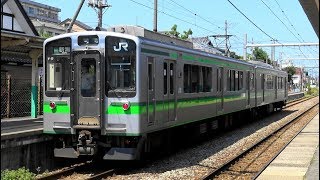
(79, 23)
(38, 23)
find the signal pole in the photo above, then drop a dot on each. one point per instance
(100, 5)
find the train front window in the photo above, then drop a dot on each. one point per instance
(57, 65)
(121, 67)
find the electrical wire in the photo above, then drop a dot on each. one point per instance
(251, 21)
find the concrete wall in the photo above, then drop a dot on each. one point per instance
(30, 156)
(30, 149)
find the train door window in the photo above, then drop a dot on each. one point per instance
(262, 81)
(165, 78)
(171, 78)
(252, 81)
(236, 80)
(88, 77)
(218, 79)
(240, 80)
(187, 78)
(206, 78)
(150, 73)
(232, 80)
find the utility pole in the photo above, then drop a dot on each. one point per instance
(226, 34)
(273, 49)
(245, 48)
(100, 5)
(155, 16)
(75, 17)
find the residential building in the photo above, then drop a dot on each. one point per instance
(78, 26)
(41, 12)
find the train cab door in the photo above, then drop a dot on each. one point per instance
(220, 90)
(86, 97)
(151, 102)
(169, 90)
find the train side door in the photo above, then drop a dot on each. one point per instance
(220, 90)
(169, 90)
(86, 90)
(151, 103)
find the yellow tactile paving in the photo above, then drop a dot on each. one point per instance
(293, 162)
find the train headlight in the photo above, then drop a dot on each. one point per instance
(126, 106)
(52, 105)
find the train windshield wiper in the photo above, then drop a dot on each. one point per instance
(112, 89)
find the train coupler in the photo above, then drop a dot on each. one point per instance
(85, 144)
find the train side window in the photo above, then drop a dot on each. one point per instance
(195, 78)
(240, 80)
(207, 79)
(236, 80)
(232, 80)
(229, 81)
(165, 78)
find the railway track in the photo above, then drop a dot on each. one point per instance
(297, 101)
(252, 161)
(82, 168)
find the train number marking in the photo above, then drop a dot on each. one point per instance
(123, 45)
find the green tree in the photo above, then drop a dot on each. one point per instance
(186, 34)
(260, 55)
(291, 70)
(44, 34)
(174, 32)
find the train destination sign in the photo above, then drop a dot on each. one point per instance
(59, 50)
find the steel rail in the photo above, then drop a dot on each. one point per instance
(242, 154)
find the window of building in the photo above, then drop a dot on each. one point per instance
(31, 10)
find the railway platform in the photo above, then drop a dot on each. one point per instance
(300, 159)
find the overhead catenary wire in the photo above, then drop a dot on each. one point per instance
(193, 24)
(251, 21)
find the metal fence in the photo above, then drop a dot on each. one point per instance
(16, 97)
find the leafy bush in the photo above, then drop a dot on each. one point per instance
(19, 174)
(313, 91)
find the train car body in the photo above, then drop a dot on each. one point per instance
(119, 95)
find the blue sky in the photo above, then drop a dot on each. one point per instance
(208, 18)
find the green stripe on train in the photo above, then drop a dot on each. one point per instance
(136, 108)
(60, 108)
(141, 108)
